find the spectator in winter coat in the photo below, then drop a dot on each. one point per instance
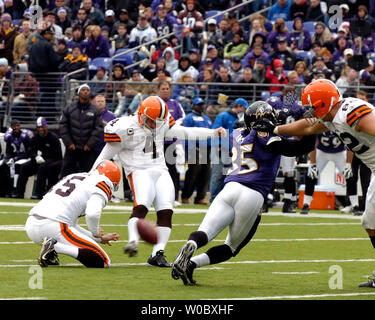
(283, 53)
(275, 75)
(97, 45)
(143, 32)
(184, 66)
(237, 48)
(20, 41)
(279, 31)
(299, 39)
(81, 127)
(75, 61)
(298, 9)
(253, 55)
(314, 13)
(8, 34)
(280, 9)
(322, 34)
(171, 64)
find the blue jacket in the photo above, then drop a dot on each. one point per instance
(195, 120)
(277, 12)
(227, 120)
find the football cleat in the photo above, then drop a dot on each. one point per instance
(305, 209)
(180, 263)
(288, 206)
(47, 254)
(187, 277)
(370, 283)
(356, 211)
(158, 260)
(131, 249)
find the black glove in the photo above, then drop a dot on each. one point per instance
(281, 117)
(264, 125)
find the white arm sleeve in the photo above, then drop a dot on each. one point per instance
(108, 152)
(94, 208)
(87, 233)
(189, 133)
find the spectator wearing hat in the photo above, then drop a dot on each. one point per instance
(321, 34)
(7, 36)
(164, 24)
(81, 127)
(256, 53)
(193, 23)
(221, 161)
(63, 20)
(17, 151)
(237, 48)
(236, 69)
(163, 44)
(275, 75)
(51, 19)
(184, 66)
(20, 42)
(280, 9)
(314, 12)
(283, 53)
(116, 84)
(60, 4)
(110, 21)
(198, 173)
(299, 39)
(94, 14)
(99, 81)
(45, 161)
(213, 36)
(121, 38)
(62, 48)
(82, 20)
(75, 61)
(123, 17)
(279, 31)
(320, 67)
(143, 32)
(97, 45)
(259, 72)
(195, 58)
(213, 55)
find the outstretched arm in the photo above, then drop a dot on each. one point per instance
(108, 152)
(300, 128)
(291, 148)
(194, 133)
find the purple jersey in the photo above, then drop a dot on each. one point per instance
(163, 27)
(290, 110)
(329, 142)
(177, 113)
(252, 165)
(17, 146)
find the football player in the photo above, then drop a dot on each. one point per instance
(352, 120)
(53, 221)
(289, 110)
(139, 142)
(256, 160)
(329, 148)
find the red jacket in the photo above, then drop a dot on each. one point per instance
(273, 78)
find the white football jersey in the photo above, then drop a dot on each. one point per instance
(140, 149)
(66, 201)
(343, 124)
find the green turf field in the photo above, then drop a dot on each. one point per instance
(319, 256)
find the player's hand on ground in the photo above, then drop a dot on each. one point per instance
(110, 237)
(312, 172)
(347, 172)
(221, 132)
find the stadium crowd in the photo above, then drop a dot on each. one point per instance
(293, 44)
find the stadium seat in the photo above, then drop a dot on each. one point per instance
(212, 13)
(305, 55)
(265, 95)
(126, 59)
(289, 25)
(100, 62)
(309, 26)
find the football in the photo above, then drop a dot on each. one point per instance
(147, 231)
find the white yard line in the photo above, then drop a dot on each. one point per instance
(25, 298)
(303, 272)
(307, 296)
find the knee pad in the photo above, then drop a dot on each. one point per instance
(139, 212)
(164, 218)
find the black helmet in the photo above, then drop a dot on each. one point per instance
(257, 111)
